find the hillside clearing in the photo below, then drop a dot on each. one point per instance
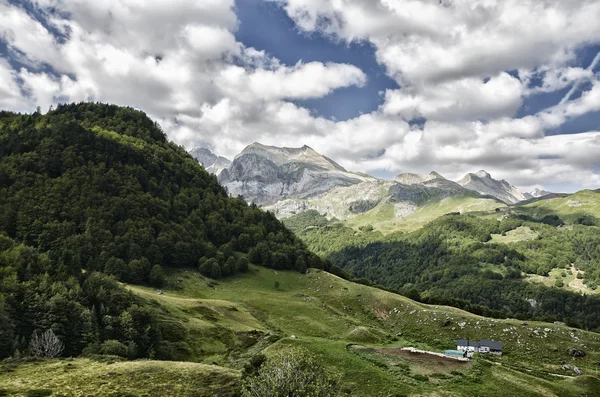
(522, 233)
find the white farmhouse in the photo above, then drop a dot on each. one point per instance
(484, 347)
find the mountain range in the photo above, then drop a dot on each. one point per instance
(292, 180)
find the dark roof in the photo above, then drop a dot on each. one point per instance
(491, 344)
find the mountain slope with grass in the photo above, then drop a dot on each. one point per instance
(499, 263)
(353, 329)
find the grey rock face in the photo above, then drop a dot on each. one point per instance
(266, 174)
(483, 183)
(288, 181)
(575, 352)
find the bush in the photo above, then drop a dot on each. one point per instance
(559, 283)
(113, 348)
(290, 373)
(46, 344)
(242, 265)
(157, 276)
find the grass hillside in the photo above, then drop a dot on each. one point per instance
(389, 217)
(570, 208)
(229, 321)
(84, 377)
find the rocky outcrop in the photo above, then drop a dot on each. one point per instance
(483, 183)
(573, 352)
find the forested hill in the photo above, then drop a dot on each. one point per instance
(90, 190)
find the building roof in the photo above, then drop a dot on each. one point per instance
(491, 344)
(487, 343)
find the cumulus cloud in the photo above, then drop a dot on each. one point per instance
(463, 67)
(166, 57)
(463, 99)
(452, 59)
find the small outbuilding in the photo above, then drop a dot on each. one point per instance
(484, 346)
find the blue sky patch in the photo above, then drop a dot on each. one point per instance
(265, 26)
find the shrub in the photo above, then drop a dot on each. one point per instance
(290, 373)
(157, 276)
(242, 265)
(559, 283)
(113, 348)
(46, 344)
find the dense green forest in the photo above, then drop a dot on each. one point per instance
(93, 194)
(453, 261)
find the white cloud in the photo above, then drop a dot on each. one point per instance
(311, 80)
(464, 99)
(170, 58)
(179, 60)
(10, 92)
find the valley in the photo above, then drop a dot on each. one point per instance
(146, 277)
(230, 320)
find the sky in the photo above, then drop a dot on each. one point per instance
(380, 86)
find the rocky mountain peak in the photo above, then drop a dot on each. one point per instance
(483, 183)
(286, 155)
(267, 174)
(539, 193)
(409, 178)
(210, 161)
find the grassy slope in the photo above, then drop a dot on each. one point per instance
(238, 317)
(570, 282)
(326, 313)
(382, 217)
(522, 233)
(83, 377)
(568, 208)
